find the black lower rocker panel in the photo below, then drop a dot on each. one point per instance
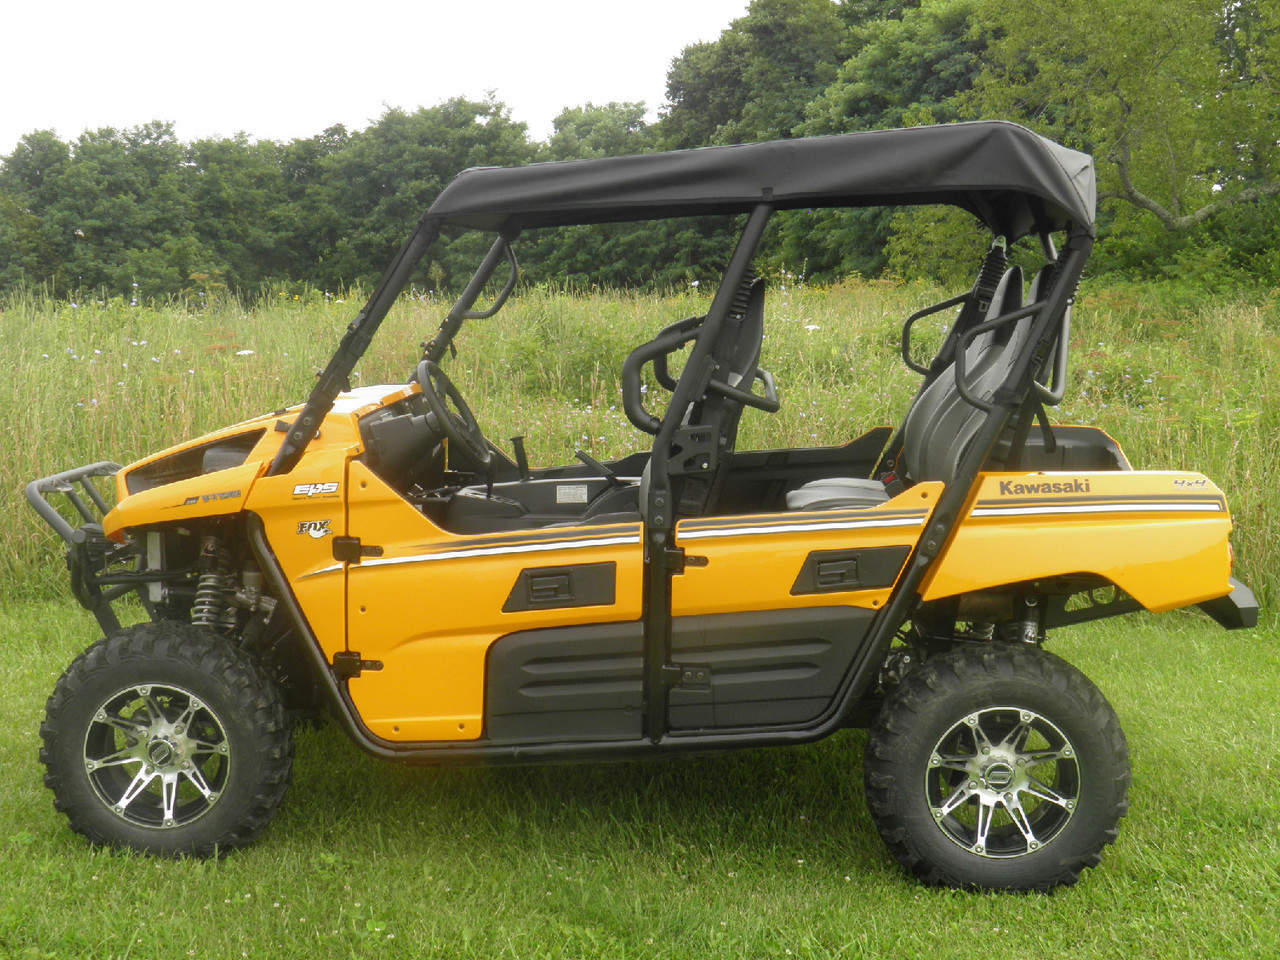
(780, 667)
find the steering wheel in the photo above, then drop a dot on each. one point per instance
(458, 424)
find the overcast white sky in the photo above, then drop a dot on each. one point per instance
(280, 69)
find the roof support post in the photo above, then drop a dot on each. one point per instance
(461, 310)
(662, 559)
(336, 377)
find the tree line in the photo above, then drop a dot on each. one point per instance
(1178, 101)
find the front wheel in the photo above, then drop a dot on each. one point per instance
(999, 767)
(167, 739)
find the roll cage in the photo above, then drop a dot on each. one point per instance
(1014, 181)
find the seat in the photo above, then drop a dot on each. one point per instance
(940, 424)
(838, 493)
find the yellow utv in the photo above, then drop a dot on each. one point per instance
(371, 553)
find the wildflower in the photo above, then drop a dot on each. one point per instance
(244, 353)
(812, 326)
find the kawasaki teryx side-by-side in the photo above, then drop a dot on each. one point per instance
(371, 553)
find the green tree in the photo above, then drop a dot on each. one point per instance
(1178, 100)
(908, 68)
(108, 193)
(382, 180)
(29, 250)
(238, 193)
(610, 130)
(26, 255)
(754, 81)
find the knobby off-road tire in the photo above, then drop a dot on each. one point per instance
(998, 767)
(168, 739)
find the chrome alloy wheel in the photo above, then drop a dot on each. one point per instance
(156, 755)
(1002, 782)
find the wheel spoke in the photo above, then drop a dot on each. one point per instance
(169, 789)
(139, 783)
(1036, 757)
(154, 709)
(950, 761)
(986, 811)
(127, 755)
(196, 776)
(198, 747)
(125, 725)
(980, 736)
(1016, 738)
(193, 707)
(956, 798)
(1046, 793)
(1020, 820)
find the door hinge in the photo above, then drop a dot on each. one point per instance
(351, 550)
(348, 665)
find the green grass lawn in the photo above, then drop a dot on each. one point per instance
(758, 854)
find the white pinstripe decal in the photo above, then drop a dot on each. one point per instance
(1099, 508)
(798, 528)
(486, 552)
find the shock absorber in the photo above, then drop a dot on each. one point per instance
(1028, 628)
(210, 606)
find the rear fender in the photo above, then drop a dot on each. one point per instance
(1161, 537)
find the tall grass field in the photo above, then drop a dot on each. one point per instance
(758, 854)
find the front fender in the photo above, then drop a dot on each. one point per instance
(209, 495)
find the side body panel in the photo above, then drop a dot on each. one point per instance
(758, 561)
(1161, 537)
(302, 512)
(431, 604)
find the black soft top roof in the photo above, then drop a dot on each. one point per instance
(1014, 180)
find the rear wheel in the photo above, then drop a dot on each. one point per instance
(997, 766)
(167, 739)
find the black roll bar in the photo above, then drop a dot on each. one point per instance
(661, 559)
(920, 315)
(336, 377)
(461, 310)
